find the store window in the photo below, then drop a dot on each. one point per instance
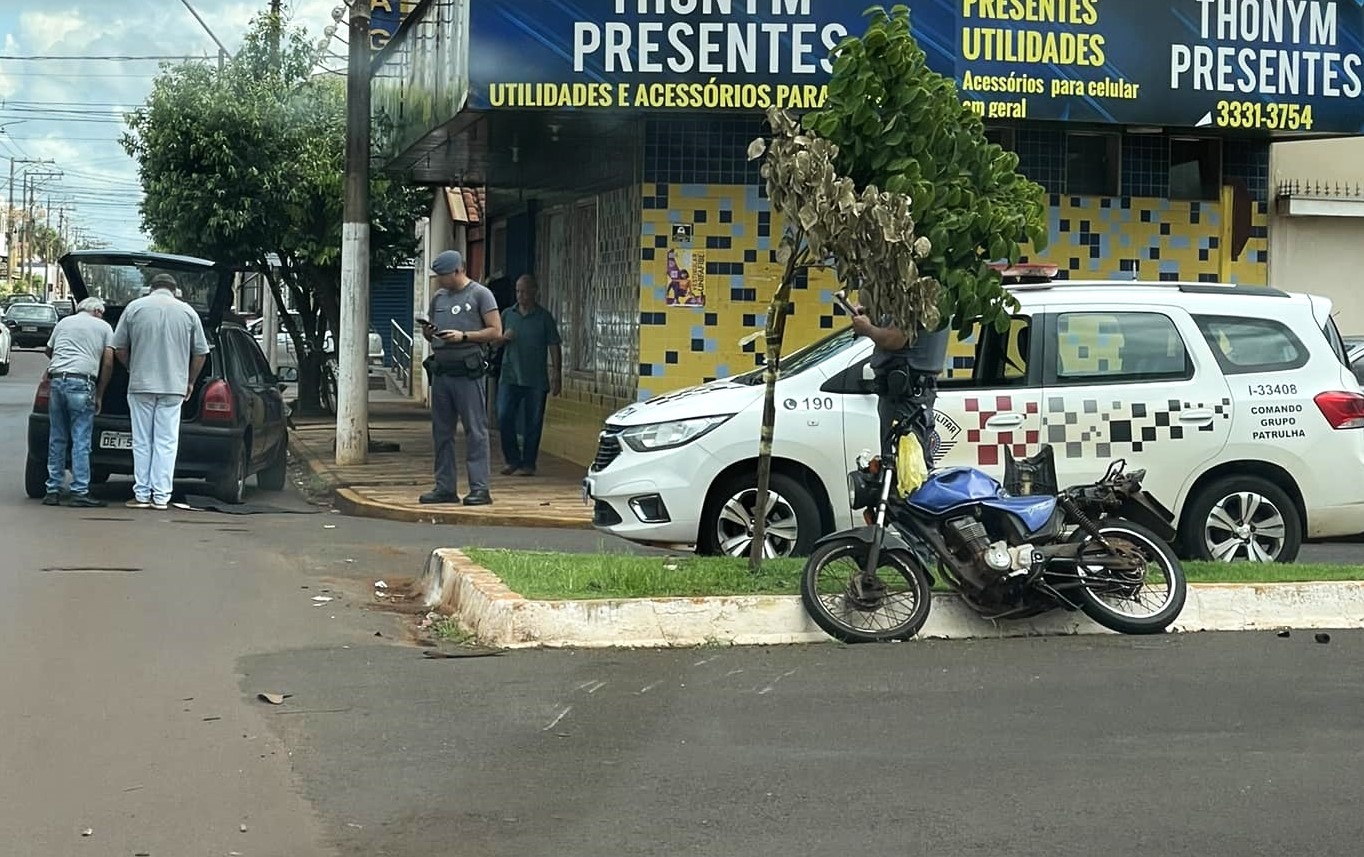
(1004, 137)
(1195, 168)
(1092, 164)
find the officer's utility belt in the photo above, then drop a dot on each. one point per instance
(906, 384)
(471, 366)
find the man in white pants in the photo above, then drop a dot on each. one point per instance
(161, 341)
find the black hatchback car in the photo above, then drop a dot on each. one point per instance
(30, 325)
(234, 424)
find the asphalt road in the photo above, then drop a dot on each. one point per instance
(132, 647)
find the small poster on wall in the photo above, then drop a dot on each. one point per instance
(686, 270)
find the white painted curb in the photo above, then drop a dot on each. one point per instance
(496, 616)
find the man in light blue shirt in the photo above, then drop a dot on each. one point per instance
(81, 351)
(161, 340)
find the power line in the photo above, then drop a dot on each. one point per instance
(100, 58)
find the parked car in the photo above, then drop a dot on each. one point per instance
(5, 345)
(19, 298)
(286, 356)
(233, 425)
(64, 307)
(30, 325)
(1239, 403)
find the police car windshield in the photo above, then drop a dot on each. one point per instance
(808, 356)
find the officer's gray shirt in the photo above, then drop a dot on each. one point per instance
(78, 343)
(927, 353)
(160, 333)
(460, 310)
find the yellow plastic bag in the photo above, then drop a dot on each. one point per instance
(913, 472)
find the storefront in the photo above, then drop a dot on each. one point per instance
(611, 138)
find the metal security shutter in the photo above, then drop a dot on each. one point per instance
(390, 300)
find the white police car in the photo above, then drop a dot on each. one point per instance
(1238, 402)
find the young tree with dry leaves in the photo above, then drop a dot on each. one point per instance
(893, 185)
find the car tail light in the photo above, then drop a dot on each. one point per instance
(1342, 410)
(218, 405)
(43, 397)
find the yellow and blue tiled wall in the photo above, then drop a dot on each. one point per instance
(696, 172)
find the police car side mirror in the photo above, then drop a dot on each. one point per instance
(868, 373)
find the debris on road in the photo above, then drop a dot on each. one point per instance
(322, 599)
(1322, 638)
(329, 526)
(1285, 633)
(89, 831)
(273, 698)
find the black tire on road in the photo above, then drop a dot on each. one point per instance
(276, 474)
(809, 524)
(99, 477)
(35, 478)
(1197, 515)
(1107, 615)
(231, 486)
(4, 369)
(914, 576)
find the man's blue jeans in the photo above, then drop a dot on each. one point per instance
(71, 422)
(520, 407)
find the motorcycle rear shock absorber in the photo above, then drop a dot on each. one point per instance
(1073, 510)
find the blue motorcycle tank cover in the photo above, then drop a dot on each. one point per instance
(959, 486)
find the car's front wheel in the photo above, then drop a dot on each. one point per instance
(793, 521)
(4, 368)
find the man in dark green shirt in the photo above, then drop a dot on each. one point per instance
(532, 340)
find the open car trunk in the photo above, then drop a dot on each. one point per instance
(120, 277)
(115, 402)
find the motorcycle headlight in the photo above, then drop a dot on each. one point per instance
(670, 435)
(863, 490)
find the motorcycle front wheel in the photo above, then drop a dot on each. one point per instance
(849, 607)
(1144, 601)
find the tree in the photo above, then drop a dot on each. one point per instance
(245, 166)
(894, 186)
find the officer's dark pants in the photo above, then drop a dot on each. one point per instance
(908, 401)
(462, 400)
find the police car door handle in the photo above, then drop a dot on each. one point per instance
(1197, 415)
(1004, 421)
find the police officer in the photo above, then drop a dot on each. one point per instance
(462, 323)
(906, 371)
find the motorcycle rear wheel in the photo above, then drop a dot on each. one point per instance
(826, 592)
(1127, 609)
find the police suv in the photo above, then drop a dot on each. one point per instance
(1239, 402)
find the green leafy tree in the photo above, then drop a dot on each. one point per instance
(246, 166)
(902, 127)
(894, 185)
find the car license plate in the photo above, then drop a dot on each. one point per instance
(28, 330)
(115, 440)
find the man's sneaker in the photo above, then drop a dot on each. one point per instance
(52, 499)
(478, 498)
(137, 504)
(526, 471)
(436, 498)
(161, 507)
(85, 501)
(509, 470)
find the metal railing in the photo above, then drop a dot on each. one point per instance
(402, 357)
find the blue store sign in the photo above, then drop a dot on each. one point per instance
(1241, 65)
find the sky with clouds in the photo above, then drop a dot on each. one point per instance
(70, 110)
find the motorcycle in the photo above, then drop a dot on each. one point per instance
(1011, 550)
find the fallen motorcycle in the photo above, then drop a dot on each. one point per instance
(1011, 550)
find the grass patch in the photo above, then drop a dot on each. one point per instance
(562, 576)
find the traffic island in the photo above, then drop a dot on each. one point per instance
(595, 601)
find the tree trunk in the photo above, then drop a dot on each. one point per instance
(775, 333)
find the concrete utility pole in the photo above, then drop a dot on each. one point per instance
(10, 232)
(352, 409)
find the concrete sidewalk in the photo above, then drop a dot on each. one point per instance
(388, 485)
